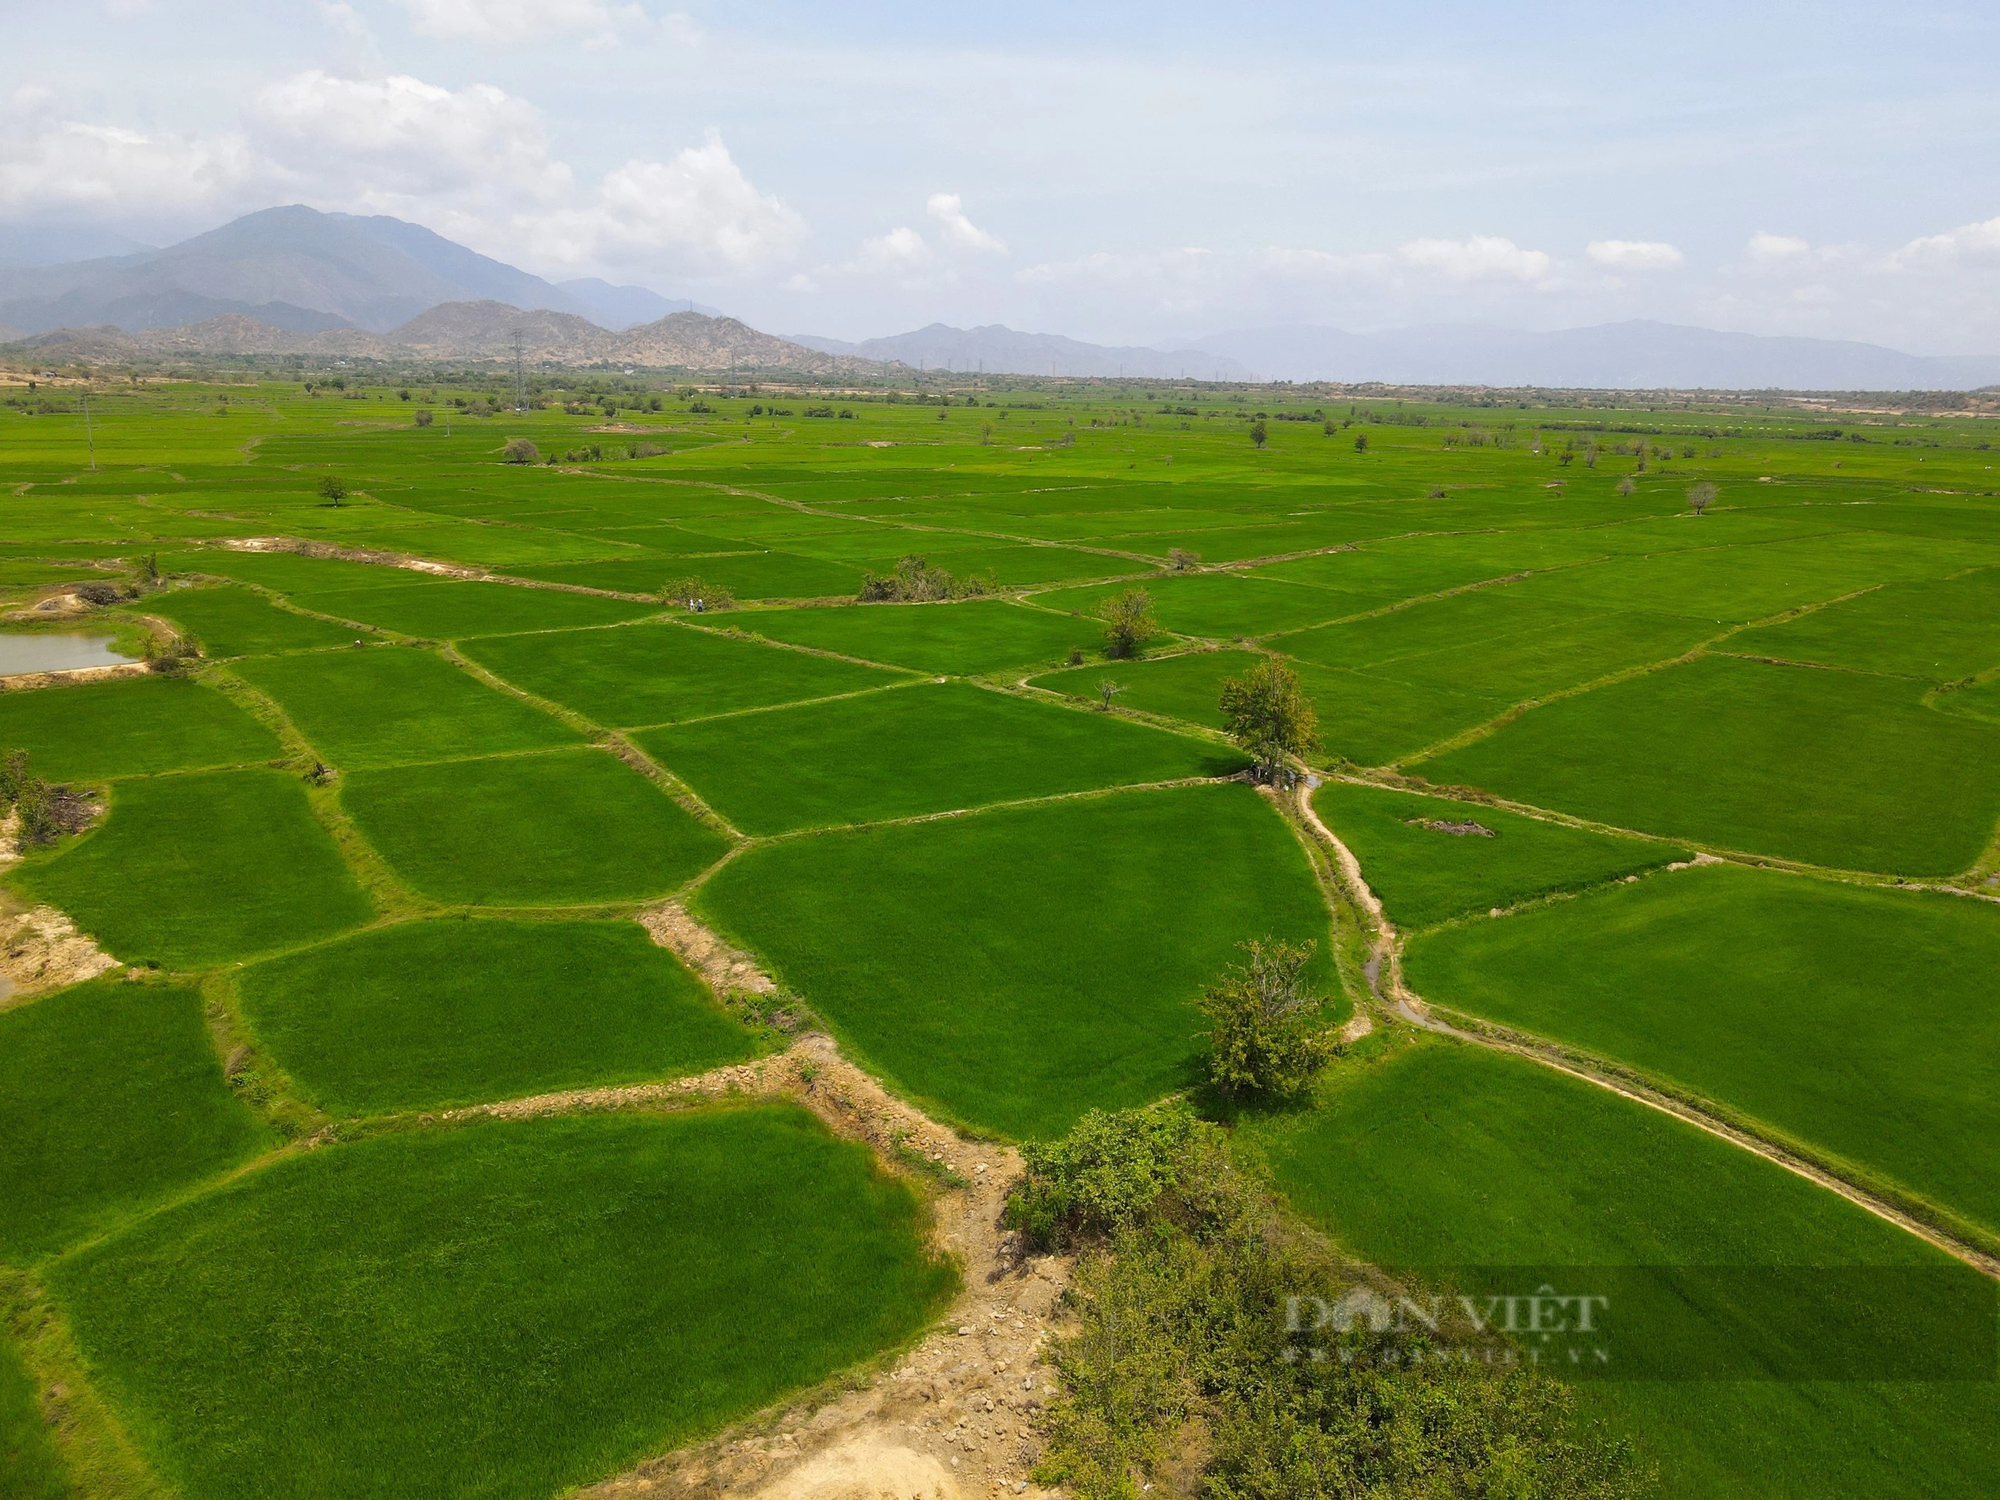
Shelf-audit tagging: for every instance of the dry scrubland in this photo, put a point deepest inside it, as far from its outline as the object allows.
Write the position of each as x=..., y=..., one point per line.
x=1705, y=801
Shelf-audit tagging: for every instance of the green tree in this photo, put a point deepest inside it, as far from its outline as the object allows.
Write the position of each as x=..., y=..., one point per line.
x=1262, y=1035
x=519, y=451
x=1268, y=714
x=1361, y=442
x=1259, y=434
x=332, y=490
x=1702, y=496
x=1128, y=622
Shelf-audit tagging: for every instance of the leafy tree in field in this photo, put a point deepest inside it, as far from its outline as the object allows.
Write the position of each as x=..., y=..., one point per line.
x=519, y=451
x=1268, y=714
x=332, y=490
x=1628, y=486
x=1128, y=622
x=1701, y=496
x=1361, y=442
x=1259, y=434
x=1262, y=1038
x=424, y=418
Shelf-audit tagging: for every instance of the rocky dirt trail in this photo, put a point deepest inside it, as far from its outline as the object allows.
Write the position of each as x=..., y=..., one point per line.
x=952, y=1418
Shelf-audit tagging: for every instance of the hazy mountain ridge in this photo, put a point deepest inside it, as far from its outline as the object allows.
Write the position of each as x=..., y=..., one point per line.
x=1000, y=350
x=1635, y=355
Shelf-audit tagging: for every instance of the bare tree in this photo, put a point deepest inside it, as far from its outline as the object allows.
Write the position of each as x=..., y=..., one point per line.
x=1628, y=485
x=1180, y=559
x=1702, y=496
x=1106, y=691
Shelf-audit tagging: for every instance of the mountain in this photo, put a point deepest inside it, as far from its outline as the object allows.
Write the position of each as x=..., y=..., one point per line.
x=294, y=268
x=25, y=245
x=483, y=331
x=622, y=307
x=1611, y=356
x=1005, y=352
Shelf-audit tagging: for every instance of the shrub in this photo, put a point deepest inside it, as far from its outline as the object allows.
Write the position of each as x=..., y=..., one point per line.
x=916, y=581
x=1263, y=1038
x=424, y=418
x=1128, y=622
x=46, y=812
x=1361, y=442
x=519, y=451
x=174, y=657
x=100, y=594
x=1111, y=1169
x=1180, y=559
x=692, y=593
x=1628, y=485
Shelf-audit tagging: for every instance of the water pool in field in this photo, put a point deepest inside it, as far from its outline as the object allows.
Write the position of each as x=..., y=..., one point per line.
x=56, y=653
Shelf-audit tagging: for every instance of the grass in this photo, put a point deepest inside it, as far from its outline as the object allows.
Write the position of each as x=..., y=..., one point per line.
x=1835, y=768
x=111, y=1098
x=428, y=1015
x=1434, y=1155
x=1425, y=875
x=564, y=828
x=29, y=1466
x=959, y=640
x=922, y=749
x=290, y=572
x=1181, y=687
x=1935, y=631
x=1222, y=605
x=134, y=727
x=191, y=871
x=665, y=674
x=453, y=611
x=1018, y=967
x=394, y=705
x=1853, y=1018
x=747, y=574
x=236, y=622
x=1980, y=702
x=497, y=1310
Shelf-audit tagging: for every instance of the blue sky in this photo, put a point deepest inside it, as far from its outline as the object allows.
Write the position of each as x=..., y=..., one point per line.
x=1117, y=172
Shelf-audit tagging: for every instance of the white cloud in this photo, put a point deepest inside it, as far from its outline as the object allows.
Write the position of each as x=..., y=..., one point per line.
x=1635, y=255
x=698, y=211
x=508, y=23
x=1767, y=246
x=1969, y=242
x=1480, y=258
x=105, y=170
x=959, y=231
x=399, y=143
x=902, y=248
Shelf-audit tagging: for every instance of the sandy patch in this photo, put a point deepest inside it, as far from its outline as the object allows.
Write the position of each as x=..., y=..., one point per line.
x=41, y=950
x=725, y=968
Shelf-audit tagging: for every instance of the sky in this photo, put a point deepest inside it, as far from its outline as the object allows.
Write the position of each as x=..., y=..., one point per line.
x=1117, y=172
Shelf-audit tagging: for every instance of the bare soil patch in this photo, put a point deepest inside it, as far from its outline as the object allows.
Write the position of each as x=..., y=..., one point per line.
x=41, y=950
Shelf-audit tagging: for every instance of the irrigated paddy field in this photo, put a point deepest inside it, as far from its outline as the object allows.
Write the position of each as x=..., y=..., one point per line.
x=390, y=1124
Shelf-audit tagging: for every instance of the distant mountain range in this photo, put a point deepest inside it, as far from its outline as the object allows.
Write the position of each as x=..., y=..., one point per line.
x=296, y=269
x=1000, y=350
x=293, y=280
x=470, y=331
x=1610, y=356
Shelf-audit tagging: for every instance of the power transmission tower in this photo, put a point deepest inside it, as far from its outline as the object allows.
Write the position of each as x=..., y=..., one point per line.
x=89, y=436
x=520, y=384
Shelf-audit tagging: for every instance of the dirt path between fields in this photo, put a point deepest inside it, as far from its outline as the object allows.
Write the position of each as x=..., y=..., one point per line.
x=950, y=1419
x=1386, y=979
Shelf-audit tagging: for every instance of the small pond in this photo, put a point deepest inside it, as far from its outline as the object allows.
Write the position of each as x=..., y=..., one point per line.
x=56, y=653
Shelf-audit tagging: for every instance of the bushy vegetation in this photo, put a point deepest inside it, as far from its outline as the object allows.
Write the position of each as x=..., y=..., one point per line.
x=1177, y=1370
x=1268, y=714
x=916, y=581
x=1265, y=1036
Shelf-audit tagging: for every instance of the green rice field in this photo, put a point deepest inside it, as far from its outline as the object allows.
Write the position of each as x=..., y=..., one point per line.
x=425, y=1136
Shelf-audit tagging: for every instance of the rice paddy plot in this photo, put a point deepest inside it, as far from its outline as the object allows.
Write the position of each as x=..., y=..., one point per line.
x=191, y=871
x=453, y=611
x=922, y=749
x=1936, y=631
x=291, y=572
x=1429, y=859
x=1856, y=1019
x=1979, y=702
x=30, y=1468
x=1010, y=566
x=666, y=673
x=432, y=1015
x=959, y=640
x=1222, y=605
x=1834, y=768
x=508, y=1310
x=1430, y=1155
x=111, y=1097
x=1187, y=686
x=1020, y=966
x=393, y=705
x=236, y=622
x=568, y=827
x=133, y=727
